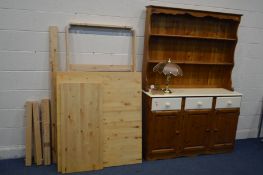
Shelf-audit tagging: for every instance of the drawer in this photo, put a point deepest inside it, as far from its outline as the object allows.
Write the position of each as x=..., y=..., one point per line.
x=198, y=103
x=228, y=102
x=160, y=104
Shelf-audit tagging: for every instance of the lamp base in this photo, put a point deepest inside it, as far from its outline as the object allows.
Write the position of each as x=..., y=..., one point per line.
x=166, y=91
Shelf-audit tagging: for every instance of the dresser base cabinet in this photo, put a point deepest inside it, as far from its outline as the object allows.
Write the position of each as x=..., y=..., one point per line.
x=187, y=131
x=161, y=132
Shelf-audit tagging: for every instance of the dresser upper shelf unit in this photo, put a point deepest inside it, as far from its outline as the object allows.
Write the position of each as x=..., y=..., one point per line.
x=202, y=43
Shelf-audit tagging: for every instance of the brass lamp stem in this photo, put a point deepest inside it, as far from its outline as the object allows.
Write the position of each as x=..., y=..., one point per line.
x=167, y=90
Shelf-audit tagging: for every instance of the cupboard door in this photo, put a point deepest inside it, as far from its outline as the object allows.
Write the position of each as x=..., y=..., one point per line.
x=163, y=134
x=224, y=130
x=196, y=131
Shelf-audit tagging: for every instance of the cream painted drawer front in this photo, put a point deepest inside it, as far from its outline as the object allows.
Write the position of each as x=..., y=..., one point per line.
x=228, y=102
x=198, y=103
x=160, y=104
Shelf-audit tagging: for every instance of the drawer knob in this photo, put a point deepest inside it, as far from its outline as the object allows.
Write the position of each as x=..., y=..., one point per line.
x=229, y=102
x=199, y=103
x=167, y=104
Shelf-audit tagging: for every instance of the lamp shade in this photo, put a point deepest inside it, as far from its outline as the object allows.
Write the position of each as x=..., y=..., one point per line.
x=168, y=68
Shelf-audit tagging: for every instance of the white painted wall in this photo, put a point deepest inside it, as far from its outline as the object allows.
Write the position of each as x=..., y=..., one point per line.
x=24, y=68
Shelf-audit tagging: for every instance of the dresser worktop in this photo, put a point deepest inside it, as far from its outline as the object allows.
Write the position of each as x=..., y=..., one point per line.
x=194, y=92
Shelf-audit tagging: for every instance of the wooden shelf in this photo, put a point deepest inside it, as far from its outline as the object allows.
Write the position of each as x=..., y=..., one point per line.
x=193, y=62
x=193, y=37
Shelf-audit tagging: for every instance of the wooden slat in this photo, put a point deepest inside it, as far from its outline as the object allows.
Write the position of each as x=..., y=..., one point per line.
x=45, y=114
x=133, y=62
x=100, y=68
x=59, y=107
x=53, y=59
x=80, y=127
x=53, y=48
x=37, y=134
x=67, y=46
x=29, y=111
x=99, y=25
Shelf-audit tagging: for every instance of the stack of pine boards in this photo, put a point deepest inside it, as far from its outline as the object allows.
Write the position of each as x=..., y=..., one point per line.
x=38, y=133
x=96, y=116
x=98, y=120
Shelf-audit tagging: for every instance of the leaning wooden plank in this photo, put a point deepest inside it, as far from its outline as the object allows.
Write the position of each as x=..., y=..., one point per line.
x=80, y=127
x=37, y=134
x=53, y=48
x=29, y=110
x=100, y=68
x=45, y=114
x=121, y=113
x=53, y=59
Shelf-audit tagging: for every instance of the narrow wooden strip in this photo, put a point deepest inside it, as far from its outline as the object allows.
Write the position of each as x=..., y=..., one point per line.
x=37, y=134
x=53, y=48
x=29, y=110
x=133, y=62
x=45, y=114
x=62, y=128
x=53, y=59
x=100, y=68
x=59, y=105
x=100, y=127
x=99, y=25
x=67, y=42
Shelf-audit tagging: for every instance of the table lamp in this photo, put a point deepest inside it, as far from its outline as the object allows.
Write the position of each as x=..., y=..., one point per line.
x=168, y=69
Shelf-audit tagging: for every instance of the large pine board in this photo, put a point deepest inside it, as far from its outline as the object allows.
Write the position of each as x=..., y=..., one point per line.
x=121, y=114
